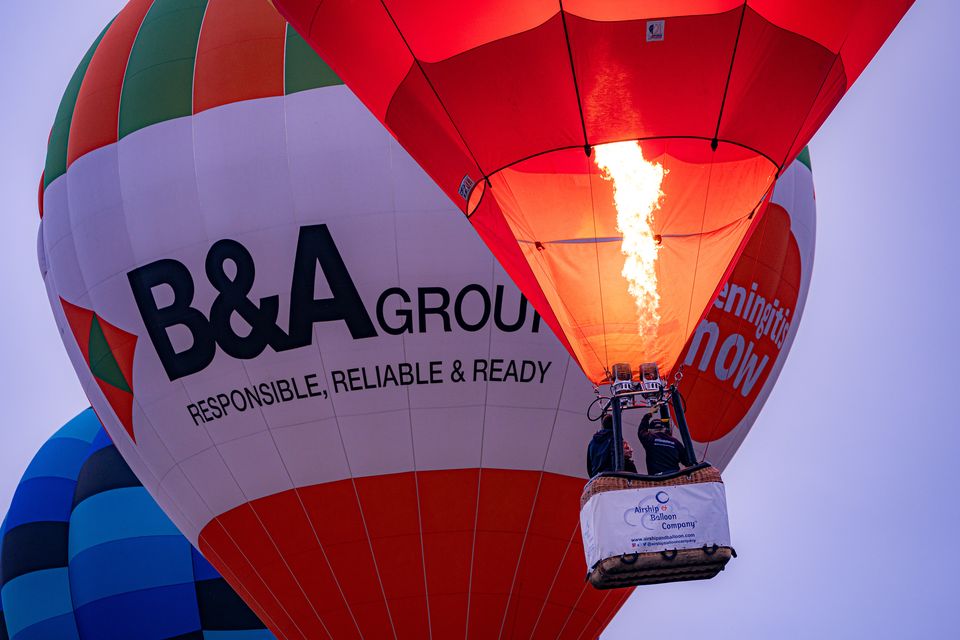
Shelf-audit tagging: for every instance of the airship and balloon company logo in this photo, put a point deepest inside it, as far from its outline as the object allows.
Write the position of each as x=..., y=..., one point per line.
x=655, y=30
x=652, y=519
x=658, y=512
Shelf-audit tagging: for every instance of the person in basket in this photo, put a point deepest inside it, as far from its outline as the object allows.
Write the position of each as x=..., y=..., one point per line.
x=663, y=451
x=600, y=450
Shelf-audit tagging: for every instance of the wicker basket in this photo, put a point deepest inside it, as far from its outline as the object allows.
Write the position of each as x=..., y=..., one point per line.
x=662, y=566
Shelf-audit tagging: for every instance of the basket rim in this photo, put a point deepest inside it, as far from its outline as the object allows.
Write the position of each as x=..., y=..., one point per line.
x=700, y=466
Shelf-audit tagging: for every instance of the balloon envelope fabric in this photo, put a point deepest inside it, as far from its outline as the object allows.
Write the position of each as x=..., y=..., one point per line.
x=87, y=554
x=503, y=104
x=395, y=446
x=3, y=621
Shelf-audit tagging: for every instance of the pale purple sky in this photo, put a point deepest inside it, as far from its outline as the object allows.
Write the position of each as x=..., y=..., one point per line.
x=843, y=498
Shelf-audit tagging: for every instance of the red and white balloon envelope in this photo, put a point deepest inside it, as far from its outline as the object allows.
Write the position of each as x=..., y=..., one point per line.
x=321, y=373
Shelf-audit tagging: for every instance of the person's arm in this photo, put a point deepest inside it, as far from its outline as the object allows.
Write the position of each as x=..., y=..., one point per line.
x=644, y=426
x=645, y=438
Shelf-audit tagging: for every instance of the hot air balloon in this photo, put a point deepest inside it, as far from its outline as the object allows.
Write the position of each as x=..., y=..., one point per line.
x=3, y=620
x=87, y=554
x=336, y=480
x=678, y=529
x=613, y=155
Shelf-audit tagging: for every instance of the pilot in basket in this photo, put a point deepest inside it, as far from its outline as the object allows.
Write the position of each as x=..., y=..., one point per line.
x=666, y=526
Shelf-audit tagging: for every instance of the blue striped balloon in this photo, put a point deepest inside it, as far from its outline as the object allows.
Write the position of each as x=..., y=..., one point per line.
x=3, y=621
x=86, y=554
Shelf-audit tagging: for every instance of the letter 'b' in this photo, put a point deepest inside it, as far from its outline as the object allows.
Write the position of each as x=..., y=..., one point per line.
x=157, y=320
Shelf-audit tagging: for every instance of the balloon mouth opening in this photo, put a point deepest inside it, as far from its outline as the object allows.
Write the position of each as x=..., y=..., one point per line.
x=682, y=225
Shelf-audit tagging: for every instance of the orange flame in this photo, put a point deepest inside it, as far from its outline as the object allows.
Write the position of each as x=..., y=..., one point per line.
x=636, y=195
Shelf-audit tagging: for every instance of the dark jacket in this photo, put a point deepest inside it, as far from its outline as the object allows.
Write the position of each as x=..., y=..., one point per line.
x=600, y=453
x=664, y=452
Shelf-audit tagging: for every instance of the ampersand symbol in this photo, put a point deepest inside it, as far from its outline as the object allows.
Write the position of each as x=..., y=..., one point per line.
x=457, y=375
x=234, y=298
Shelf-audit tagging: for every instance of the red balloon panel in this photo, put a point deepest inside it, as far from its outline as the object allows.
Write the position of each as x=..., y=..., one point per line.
x=490, y=553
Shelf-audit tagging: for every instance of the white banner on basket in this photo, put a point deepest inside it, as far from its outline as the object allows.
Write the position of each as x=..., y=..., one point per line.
x=654, y=519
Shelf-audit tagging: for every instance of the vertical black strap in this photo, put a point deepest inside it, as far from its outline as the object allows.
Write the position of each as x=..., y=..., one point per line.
x=573, y=73
x=715, y=142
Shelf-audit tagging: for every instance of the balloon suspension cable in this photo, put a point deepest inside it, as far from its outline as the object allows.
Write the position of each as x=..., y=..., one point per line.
x=681, y=420
x=616, y=412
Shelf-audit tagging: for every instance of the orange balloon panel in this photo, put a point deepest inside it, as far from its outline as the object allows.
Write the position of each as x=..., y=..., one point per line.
x=561, y=212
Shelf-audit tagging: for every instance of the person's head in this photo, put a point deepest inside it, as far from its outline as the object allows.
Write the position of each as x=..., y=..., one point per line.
x=644, y=423
x=653, y=422
x=607, y=421
x=660, y=423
